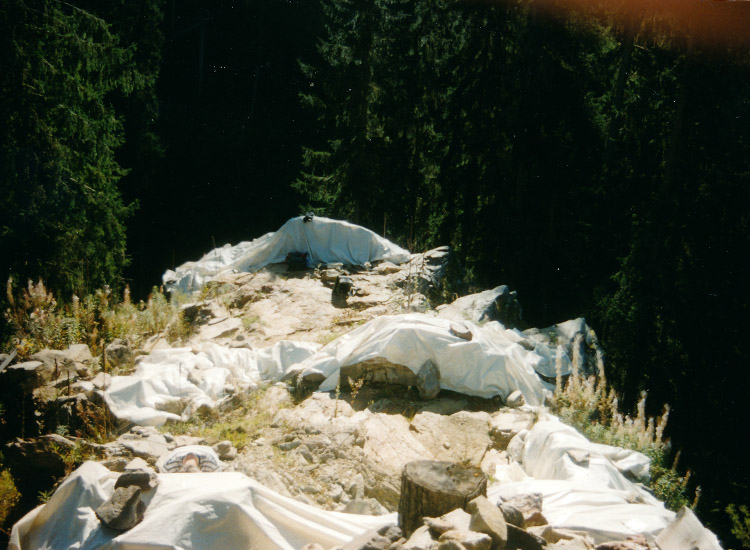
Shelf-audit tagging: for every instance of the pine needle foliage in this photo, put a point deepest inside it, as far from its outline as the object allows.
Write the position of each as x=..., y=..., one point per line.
x=62, y=215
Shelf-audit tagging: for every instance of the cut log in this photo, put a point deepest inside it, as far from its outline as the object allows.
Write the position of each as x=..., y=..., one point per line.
x=432, y=488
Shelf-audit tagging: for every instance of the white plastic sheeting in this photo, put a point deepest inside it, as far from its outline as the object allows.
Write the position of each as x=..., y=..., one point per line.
x=492, y=363
x=554, y=450
x=185, y=511
x=324, y=240
x=583, y=486
x=605, y=514
x=172, y=383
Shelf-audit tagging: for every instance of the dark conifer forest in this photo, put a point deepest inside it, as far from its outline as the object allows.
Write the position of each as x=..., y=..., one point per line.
x=595, y=159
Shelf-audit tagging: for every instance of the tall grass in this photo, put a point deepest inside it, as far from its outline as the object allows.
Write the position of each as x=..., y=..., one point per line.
x=590, y=406
x=36, y=319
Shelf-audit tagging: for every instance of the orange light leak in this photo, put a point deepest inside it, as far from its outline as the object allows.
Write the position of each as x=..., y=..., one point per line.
x=708, y=23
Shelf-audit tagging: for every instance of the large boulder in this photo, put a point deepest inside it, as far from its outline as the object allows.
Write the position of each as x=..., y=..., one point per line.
x=26, y=376
x=461, y=437
x=576, y=339
x=36, y=464
x=499, y=304
x=119, y=353
x=425, y=273
x=72, y=362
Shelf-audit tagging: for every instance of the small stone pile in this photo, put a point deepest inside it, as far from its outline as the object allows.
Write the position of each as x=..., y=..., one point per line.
x=485, y=526
x=124, y=509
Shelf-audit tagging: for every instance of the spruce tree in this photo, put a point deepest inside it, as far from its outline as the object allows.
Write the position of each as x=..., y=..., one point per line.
x=62, y=216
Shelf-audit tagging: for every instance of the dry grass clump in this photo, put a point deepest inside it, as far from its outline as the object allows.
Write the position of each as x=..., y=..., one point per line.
x=249, y=419
x=37, y=320
x=590, y=406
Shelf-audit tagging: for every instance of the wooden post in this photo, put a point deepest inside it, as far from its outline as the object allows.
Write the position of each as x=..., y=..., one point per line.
x=431, y=488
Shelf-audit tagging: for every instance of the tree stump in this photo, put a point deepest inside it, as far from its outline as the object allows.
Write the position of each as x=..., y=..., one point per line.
x=432, y=488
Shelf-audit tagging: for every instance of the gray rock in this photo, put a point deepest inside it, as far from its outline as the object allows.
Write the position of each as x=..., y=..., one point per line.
x=391, y=532
x=630, y=544
x=119, y=353
x=463, y=436
x=225, y=450
x=145, y=442
x=343, y=288
x=511, y=514
x=242, y=296
x=147, y=450
x=329, y=275
x=36, y=464
x=515, y=400
x=458, y=518
x=145, y=480
x=553, y=535
x=184, y=440
x=124, y=509
x=461, y=331
x=506, y=424
x=73, y=361
x=336, y=492
x=28, y=375
x=116, y=464
x=499, y=304
x=312, y=546
x=365, y=506
x=471, y=540
x=439, y=525
x=517, y=445
x=487, y=518
x=102, y=381
x=575, y=544
x=445, y=406
x=428, y=380
x=386, y=268
x=376, y=542
x=421, y=539
x=289, y=445
x=523, y=540
x=530, y=505
x=138, y=465
x=425, y=273
x=450, y=545
x=573, y=335
x=304, y=451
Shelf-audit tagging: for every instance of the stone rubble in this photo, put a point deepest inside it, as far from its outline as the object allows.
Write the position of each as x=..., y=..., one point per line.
x=340, y=452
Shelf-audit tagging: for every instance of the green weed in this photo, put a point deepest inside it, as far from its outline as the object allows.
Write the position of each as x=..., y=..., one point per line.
x=591, y=407
x=37, y=320
x=740, y=517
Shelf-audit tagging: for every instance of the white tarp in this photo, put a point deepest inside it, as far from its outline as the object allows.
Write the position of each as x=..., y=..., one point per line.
x=172, y=383
x=553, y=450
x=605, y=514
x=185, y=511
x=583, y=486
x=323, y=239
x=492, y=363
